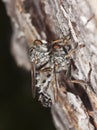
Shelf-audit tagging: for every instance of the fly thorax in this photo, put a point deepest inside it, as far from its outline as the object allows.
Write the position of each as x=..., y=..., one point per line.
x=39, y=55
x=59, y=60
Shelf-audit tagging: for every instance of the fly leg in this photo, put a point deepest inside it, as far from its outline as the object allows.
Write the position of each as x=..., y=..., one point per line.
x=71, y=52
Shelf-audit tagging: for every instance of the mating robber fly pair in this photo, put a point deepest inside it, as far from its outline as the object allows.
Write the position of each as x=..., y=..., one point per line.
x=48, y=61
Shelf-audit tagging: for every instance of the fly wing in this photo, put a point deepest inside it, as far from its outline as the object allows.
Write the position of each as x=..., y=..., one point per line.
x=33, y=80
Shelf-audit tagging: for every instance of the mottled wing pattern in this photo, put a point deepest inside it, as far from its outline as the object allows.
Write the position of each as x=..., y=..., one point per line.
x=41, y=73
x=47, y=63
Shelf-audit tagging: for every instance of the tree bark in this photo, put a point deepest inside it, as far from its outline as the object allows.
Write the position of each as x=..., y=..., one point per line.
x=49, y=20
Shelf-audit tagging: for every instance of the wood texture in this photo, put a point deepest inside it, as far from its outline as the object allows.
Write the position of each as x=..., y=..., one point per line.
x=50, y=20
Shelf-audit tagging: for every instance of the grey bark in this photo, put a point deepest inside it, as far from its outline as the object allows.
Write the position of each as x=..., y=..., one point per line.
x=50, y=20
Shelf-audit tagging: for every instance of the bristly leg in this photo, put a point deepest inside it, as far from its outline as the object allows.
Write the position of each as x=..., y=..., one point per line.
x=79, y=89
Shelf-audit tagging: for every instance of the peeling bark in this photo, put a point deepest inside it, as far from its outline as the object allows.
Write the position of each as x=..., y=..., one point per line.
x=76, y=108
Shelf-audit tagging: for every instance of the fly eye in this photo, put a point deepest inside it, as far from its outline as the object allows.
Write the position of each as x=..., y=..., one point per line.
x=57, y=47
x=37, y=42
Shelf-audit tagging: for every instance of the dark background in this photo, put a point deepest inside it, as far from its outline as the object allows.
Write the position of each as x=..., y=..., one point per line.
x=18, y=111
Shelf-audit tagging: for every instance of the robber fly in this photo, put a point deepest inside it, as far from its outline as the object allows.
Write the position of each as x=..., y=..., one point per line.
x=48, y=60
